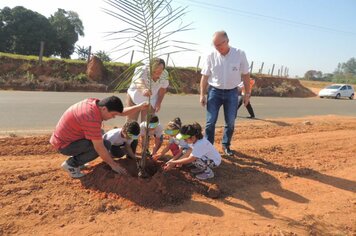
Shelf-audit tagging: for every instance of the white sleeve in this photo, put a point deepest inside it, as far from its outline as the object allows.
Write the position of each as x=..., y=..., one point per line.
x=198, y=150
x=139, y=77
x=163, y=79
x=143, y=128
x=206, y=69
x=159, y=131
x=244, y=67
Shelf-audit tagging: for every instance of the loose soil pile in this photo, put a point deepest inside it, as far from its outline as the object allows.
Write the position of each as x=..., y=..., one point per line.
x=287, y=177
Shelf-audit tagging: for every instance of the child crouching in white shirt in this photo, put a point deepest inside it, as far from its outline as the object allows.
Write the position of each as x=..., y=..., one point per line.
x=124, y=140
x=204, y=156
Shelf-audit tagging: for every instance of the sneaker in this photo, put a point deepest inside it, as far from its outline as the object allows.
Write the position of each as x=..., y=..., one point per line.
x=227, y=151
x=207, y=174
x=85, y=166
x=74, y=172
x=197, y=170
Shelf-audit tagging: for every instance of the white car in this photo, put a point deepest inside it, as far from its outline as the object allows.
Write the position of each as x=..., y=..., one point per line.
x=337, y=91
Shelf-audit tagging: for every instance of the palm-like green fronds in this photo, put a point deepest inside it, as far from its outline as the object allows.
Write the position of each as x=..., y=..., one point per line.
x=148, y=31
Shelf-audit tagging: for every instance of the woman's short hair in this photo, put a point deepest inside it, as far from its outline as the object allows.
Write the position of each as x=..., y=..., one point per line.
x=158, y=61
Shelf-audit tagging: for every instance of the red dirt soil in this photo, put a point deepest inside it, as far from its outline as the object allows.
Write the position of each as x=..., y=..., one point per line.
x=287, y=177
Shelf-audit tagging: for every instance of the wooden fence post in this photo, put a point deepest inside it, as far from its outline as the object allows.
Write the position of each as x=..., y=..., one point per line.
x=261, y=68
x=167, y=60
x=251, y=67
x=89, y=54
x=272, y=70
x=281, y=71
x=40, y=58
x=196, y=70
x=132, y=55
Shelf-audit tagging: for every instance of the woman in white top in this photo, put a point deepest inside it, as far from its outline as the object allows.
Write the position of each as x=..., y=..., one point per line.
x=142, y=87
x=204, y=156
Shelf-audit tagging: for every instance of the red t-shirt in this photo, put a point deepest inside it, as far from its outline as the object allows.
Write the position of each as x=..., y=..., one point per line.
x=80, y=121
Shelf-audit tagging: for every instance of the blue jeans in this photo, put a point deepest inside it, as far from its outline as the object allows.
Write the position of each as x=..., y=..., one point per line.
x=229, y=99
x=81, y=151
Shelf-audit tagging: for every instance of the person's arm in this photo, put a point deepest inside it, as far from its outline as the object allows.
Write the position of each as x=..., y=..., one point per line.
x=163, y=152
x=160, y=96
x=105, y=155
x=179, y=153
x=133, y=109
x=129, y=150
x=158, y=144
x=246, y=81
x=170, y=164
x=203, y=89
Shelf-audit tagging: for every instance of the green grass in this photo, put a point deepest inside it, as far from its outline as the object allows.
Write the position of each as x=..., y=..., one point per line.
x=315, y=84
x=35, y=58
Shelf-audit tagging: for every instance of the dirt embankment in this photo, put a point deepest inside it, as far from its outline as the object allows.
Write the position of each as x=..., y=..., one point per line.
x=286, y=177
x=59, y=75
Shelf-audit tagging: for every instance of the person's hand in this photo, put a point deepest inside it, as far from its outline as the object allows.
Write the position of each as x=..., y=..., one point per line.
x=203, y=100
x=157, y=108
x=119, y=169
x=246, y=99
x=144, y=105
x=169, y=165
x=146, y=92
x=156, y=156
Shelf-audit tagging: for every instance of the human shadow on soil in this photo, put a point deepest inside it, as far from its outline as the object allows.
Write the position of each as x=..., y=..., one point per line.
x=244, y=187
x=277, y=122
x=244, y=159
x=196, y=207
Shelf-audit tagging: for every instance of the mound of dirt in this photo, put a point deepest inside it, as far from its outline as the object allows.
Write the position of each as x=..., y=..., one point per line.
x=162, y=189
x=58, y=75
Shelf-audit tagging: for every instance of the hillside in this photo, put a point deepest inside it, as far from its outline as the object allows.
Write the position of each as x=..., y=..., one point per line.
x=24, y=73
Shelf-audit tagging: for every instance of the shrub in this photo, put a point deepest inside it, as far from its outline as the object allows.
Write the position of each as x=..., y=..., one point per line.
x=81, y=78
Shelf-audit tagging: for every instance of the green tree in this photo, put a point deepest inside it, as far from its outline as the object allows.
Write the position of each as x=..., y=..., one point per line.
x=103, y=56
x=313, y=75
x=68, y=28
x=22, y=30
x=349, y=67
x=82, y=52
x=149, y=30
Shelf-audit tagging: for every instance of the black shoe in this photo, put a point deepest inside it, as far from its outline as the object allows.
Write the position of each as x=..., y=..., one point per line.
x=228, y=152
x=251, y=117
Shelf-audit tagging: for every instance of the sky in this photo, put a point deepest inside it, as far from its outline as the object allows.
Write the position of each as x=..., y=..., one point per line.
x=300, y=35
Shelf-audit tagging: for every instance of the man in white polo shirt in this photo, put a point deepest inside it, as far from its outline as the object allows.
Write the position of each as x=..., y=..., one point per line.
x=221, y=74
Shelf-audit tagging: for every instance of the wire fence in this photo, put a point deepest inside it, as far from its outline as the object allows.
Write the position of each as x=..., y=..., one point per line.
x=256, y=67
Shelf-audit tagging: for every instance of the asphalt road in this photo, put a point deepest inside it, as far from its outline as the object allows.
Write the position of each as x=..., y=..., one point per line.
x=38, y=112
